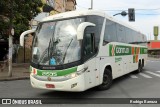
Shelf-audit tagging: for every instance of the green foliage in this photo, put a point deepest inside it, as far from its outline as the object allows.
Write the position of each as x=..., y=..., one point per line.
x=23, y=12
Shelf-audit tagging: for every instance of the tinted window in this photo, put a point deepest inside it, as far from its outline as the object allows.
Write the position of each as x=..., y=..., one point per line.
x=129, y=37
x=89, y=44
x=121, y=34
x=110, y=32
x=98, y=21
x=115, y=32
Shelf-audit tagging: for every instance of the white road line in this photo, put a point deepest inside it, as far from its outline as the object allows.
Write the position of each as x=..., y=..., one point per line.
x=133, y=76
x=158, y=75
x=153, y=60
x=158, y=71
x=144, y=75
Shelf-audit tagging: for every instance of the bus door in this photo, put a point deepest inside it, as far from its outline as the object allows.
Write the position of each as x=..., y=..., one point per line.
x=89, y=58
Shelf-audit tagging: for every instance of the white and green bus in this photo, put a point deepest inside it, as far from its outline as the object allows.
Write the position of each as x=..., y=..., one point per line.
x=78, y=50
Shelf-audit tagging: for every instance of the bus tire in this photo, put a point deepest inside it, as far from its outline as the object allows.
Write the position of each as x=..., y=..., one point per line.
x=107, y=80
x=140, y=66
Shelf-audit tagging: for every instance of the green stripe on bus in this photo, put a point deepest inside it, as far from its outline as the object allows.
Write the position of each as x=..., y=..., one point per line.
x=56, y=72
x=143, y=51
x=120, y=50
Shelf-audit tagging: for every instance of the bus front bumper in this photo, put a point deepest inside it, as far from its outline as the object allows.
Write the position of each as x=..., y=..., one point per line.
x=74, y=84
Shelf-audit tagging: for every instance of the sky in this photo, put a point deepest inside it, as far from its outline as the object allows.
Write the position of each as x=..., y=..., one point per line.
x=147, y=12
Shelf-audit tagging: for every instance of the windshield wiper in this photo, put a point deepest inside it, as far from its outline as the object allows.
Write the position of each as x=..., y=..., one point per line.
x=66, y=50
x=50, y=48
x=49, y=54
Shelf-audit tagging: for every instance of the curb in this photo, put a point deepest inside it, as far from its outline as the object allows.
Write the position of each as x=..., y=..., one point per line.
x=14, y=78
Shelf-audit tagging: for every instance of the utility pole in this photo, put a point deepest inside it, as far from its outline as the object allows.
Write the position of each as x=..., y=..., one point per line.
x=91, y=4
x=11, y=32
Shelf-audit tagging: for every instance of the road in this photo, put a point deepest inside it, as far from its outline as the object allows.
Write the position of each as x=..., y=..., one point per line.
x=143, y=85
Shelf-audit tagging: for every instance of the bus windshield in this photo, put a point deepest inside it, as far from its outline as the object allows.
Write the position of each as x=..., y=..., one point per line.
x=56, y=43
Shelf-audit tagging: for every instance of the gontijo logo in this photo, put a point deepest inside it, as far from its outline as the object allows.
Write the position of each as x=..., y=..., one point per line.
x=122, y=50
x=117, y=50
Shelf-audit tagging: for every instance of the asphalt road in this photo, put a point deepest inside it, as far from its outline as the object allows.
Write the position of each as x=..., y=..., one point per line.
x=143, y=85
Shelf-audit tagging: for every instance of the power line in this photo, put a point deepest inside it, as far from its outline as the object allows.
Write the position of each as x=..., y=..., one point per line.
x=135, y=9
x=123, y=9
x=127, y=10
x=149, y=9
x=147, y=14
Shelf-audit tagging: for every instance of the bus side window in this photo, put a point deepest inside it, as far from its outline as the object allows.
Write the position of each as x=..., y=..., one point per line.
x=89, y=44
x=110, y=34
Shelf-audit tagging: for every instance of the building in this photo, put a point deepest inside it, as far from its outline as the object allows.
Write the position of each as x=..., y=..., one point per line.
x=70, y=5
x=154, y=47
x=60, y=6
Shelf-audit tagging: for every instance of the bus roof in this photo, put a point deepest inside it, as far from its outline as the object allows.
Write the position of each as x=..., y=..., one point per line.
x=76, y=13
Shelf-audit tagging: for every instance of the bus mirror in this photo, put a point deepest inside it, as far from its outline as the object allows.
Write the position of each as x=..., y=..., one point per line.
x=24, y=34
x=81, y=28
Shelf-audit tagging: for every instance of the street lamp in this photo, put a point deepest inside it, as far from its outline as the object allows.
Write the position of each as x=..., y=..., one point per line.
x=131, y=14
x=123, y=13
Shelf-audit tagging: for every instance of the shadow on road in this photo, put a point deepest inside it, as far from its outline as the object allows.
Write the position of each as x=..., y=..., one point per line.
x=61, y=94
x=91, y=93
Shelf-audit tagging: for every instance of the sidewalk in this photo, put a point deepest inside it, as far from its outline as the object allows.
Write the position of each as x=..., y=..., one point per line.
x=19, y=71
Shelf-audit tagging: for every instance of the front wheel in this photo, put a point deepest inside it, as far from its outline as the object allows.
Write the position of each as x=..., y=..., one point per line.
x=140, y=66
x=107, y=80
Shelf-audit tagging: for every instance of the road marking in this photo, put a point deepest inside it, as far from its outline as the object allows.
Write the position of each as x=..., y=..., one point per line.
x=144, y=75
x=153, y=60
x=133, y=76
x=153, y=73
x=158, y=71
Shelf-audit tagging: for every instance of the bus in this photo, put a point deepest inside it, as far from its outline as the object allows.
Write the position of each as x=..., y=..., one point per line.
x=78, y=50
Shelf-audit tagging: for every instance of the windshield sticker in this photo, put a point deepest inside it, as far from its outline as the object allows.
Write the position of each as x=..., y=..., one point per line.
x=52, y=61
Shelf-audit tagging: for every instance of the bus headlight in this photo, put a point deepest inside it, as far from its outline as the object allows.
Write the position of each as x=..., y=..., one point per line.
x=73, y=75
x=82, y=71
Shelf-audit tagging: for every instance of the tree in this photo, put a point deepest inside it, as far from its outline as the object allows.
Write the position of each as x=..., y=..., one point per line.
x=23, y=12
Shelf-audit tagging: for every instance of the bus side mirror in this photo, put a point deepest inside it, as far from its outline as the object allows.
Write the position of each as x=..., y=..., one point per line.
x=24, y=34
x=81, y=28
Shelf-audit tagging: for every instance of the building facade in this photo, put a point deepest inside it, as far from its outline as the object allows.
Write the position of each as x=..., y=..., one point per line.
x=60, y=6
x=154, y=48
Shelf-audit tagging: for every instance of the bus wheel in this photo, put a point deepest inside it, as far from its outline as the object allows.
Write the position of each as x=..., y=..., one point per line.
x=140, y=66
x=107, y=80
